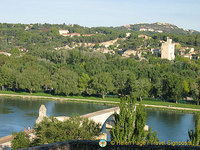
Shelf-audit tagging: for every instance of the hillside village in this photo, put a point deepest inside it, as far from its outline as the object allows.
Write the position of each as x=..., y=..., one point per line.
x=134, y=40
x=112, y=47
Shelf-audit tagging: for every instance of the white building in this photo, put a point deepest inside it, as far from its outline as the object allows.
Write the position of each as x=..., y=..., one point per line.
x=128, y=34
x=4, y=53
x=167, y=50
x=63, y=32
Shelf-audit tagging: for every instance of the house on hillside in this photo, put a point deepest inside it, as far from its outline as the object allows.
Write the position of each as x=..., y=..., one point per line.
x=73, y=34
x=188, y=52
x=128, y=34
x=63, y=32
x=87, y=34
x=5, y=53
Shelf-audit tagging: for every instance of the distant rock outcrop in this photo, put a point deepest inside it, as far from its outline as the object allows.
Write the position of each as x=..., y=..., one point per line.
x=159, y=28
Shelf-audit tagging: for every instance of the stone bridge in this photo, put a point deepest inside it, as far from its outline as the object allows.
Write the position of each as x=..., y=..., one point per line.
x=102, y=115
x=98, y=116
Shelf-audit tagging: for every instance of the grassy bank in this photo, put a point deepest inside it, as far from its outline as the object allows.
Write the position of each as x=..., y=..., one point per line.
x=107, y=101
x=58, y=96
x=168, y=104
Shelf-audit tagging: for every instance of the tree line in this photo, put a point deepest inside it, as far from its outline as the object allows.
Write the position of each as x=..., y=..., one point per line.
x=79, y=72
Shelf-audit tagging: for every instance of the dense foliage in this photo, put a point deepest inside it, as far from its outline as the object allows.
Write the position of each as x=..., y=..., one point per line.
x=38, y=67
x=20, y=140
x=50, y=130
x=130, y=123
x=88, y=73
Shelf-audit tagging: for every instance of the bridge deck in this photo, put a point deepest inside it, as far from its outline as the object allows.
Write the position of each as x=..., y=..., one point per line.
x=100, y=112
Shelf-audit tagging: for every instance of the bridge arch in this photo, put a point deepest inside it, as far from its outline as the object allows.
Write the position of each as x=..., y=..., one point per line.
x=102, y=115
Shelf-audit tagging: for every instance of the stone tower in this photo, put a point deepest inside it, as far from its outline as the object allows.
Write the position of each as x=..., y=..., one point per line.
x=168, y=50
x=42, y=113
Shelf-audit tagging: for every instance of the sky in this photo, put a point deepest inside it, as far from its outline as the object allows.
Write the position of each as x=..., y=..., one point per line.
x=183, y=13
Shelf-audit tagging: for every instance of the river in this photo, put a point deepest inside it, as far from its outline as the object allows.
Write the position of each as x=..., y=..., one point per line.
x=15, y=113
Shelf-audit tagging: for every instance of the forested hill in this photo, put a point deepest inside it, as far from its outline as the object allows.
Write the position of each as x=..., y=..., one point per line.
x=42, y=60
x=34, y=37
x=159, y=28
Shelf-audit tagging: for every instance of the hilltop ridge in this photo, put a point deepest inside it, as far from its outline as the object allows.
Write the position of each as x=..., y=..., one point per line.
x=159, y=27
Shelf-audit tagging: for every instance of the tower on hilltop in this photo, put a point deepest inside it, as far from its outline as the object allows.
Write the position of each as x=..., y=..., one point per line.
x=168, y=50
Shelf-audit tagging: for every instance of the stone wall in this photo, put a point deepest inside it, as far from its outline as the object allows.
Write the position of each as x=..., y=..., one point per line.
x=94, y=145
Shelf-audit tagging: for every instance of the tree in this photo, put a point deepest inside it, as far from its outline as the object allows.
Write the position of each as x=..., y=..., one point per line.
x=172, y=87
x=140, y=88
x=102, y=83
x=84, y=81
x=15, y=51
x=124, y=121
x=140, y=122
x=121, y=82
x=152, y=136
x=20, y=140
x=52, y=130
x=7, y=78
x=65, y=82
x=30, y=79
x=194, y=135
x=130, y=122
x=195, y=90
x=156, y=89
x=186, y=89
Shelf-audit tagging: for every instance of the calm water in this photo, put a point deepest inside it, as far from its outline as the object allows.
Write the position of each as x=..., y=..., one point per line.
x=17, y=113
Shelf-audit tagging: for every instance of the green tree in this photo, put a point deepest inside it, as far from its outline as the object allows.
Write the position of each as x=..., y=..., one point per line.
x=30, y=79
x=140, y=88
x=130, y=123
x=124, y=121
x=102, y=83
x=186, y=89
x=7, y=78
x=194, y=135
x=20, y=140
x=140, y=122
x=173, y=87
x=84, y=81
x=65, y=82
x=195, y=90
x=55, y=31
x=15, y=51
x=121, y=82
x=52, y=130
x=152, y=136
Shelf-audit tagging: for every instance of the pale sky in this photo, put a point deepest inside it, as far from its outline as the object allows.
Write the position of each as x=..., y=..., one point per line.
x=183, y=13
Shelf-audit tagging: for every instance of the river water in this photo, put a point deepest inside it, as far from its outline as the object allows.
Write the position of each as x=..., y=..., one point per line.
x=16, y=113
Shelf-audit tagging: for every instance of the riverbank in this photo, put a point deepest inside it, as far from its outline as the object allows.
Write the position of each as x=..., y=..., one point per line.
x=107, y=101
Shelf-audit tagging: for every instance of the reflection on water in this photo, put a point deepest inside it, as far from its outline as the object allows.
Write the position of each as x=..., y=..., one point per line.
x=17, y=113
x=170, y=125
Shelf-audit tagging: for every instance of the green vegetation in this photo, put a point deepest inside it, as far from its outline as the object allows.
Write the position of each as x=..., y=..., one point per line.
x=164, y=27
x=20, y=140
x=195, y=134
x=36, y=67
x=130, y=123
x=50, y=130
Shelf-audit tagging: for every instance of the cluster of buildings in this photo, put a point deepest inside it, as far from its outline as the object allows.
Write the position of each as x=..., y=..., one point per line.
x=168, y=51
x=150, y=30
x=66, y=33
